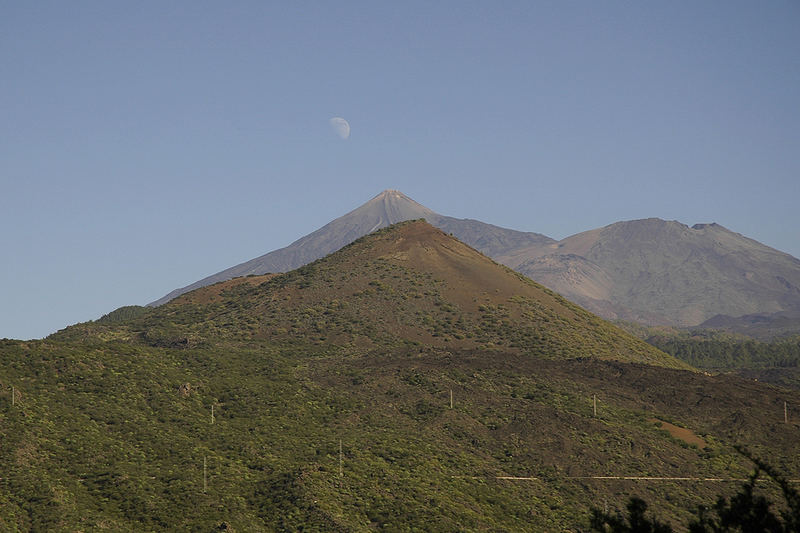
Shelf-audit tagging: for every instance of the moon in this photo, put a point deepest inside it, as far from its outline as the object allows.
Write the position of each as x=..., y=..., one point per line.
x=340, y=127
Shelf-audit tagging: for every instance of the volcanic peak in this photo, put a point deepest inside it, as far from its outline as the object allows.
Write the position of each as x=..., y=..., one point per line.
x=410, y=283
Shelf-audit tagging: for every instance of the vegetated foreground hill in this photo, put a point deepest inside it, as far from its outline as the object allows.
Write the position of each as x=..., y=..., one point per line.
x=117, y=436
x=658, y=272
x=411, y=284
x=385, y=209
x=395, y=385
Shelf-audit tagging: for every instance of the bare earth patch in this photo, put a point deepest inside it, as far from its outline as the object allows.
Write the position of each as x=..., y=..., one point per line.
x=686, y=435
x=213, y=293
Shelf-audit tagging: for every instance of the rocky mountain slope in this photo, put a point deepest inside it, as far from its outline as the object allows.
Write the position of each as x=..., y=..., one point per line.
x=663, y=272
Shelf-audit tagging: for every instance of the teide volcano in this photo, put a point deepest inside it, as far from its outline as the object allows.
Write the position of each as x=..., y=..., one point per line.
x=388, y=207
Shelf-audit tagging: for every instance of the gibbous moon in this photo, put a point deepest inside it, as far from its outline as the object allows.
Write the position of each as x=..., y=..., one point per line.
x=340, y=127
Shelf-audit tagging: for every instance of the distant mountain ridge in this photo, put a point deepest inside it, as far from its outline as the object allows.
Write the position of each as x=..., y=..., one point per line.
x=387, y=208
x=762, y=326
x=651, y=271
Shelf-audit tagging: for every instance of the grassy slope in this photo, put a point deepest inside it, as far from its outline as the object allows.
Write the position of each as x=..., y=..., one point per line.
x=409, y=284
x=363, y=347
x=102, y=436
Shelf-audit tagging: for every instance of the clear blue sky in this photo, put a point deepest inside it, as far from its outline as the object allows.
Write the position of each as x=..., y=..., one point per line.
x=145, y=145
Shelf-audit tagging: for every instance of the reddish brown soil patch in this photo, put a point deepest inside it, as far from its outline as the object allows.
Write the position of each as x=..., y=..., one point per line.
x=686, y=435
x=213, y=293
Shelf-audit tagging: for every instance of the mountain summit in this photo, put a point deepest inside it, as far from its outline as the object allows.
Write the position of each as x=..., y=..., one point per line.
x=387, y=208
x=390, y=207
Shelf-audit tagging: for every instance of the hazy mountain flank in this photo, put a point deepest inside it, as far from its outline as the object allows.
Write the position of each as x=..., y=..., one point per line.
x=659, y=272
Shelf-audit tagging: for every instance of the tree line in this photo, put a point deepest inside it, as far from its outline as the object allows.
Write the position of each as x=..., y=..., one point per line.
x=713, y=350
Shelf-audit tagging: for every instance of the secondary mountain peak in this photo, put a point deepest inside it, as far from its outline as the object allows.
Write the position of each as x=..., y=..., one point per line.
x=664, y=272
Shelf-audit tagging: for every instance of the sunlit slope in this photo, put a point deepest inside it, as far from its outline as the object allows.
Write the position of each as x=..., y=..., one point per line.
x=408, y=284
x=246, y=436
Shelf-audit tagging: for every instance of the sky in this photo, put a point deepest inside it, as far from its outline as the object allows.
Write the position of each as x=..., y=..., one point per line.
x=146, y=145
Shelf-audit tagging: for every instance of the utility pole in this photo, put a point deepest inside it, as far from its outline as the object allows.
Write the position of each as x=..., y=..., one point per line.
x=594, y=403
x=212, y=413
x=785, y=413
x=341, y=459
x=13, y=395
x=205, y=468
x=451, y=398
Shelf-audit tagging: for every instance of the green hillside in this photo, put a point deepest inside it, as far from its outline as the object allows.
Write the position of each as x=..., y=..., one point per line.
x=410, y=284
x=331, y=390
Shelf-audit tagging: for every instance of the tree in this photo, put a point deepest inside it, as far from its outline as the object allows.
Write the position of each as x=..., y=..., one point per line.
x=745, y=512
x=636, y=522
